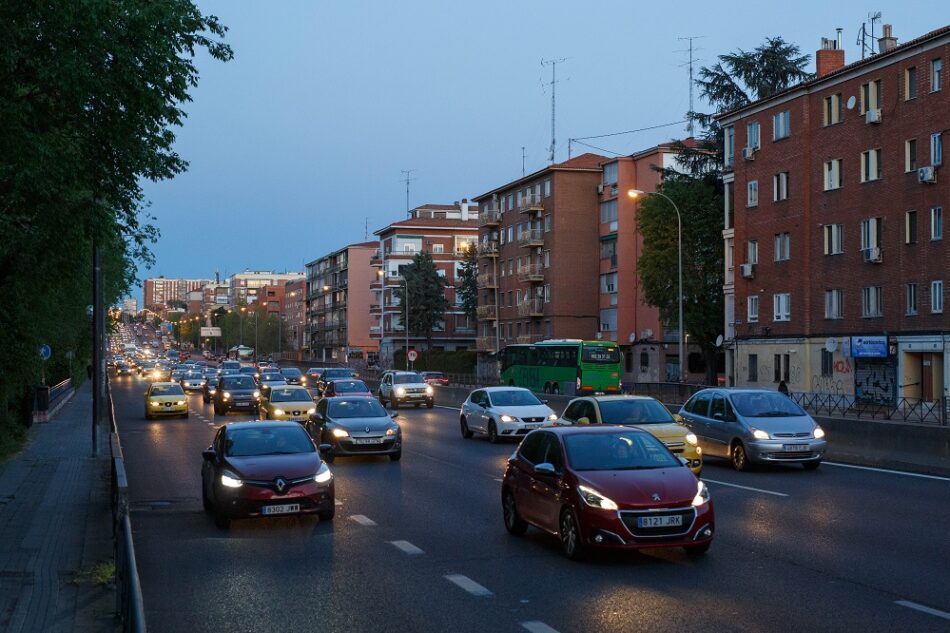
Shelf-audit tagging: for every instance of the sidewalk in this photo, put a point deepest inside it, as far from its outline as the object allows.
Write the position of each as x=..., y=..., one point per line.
x=55, y=527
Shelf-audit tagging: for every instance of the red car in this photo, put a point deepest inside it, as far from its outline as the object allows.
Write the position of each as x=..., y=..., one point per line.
x=262, y=469
x=605, y=487
x=435, y=378
x=346, y=387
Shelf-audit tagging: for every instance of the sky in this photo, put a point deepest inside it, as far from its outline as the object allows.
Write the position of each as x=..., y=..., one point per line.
x=298, y=144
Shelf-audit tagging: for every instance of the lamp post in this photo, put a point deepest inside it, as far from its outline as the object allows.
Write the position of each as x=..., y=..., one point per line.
x=636, y=193
x=405, y=280
x=243, y=310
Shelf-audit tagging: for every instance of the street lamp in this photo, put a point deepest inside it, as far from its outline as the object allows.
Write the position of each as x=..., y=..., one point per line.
x=243, y=310
x=635, y=193
x=405, y=280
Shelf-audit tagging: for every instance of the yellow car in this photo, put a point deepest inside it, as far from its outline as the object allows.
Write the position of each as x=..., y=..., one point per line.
x=165, y=398
x=288, y=402
x=642, y=412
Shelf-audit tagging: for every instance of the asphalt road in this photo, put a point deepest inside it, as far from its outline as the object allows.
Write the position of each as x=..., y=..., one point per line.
x=419, y=545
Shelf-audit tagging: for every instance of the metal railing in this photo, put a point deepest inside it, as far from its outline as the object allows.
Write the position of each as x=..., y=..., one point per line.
x=904, y=409
x=59, y=390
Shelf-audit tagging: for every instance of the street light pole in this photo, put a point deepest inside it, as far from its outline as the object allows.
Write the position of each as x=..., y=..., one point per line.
x=634, y=193
x=406, y=282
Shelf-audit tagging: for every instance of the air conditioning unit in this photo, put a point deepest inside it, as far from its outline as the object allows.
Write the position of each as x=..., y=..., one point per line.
x=873, y=116
x=873, y=255
x=927, y=174
x=748, y=153
x=747, y=270
x=600, y=188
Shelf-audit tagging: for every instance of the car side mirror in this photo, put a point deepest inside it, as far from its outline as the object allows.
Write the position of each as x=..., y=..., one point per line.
x=678, y=418
x=544, y=402
x=545, y=469
x=208, y=454
x=394, y=416
x=317, y=417
x=325, y=448
x=584, y=420
x=684, y=461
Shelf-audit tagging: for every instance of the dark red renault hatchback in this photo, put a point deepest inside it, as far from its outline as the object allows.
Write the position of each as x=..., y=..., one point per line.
x=610, y=487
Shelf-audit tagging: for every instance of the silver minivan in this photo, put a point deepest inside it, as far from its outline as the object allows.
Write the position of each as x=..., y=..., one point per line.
x=749, y=426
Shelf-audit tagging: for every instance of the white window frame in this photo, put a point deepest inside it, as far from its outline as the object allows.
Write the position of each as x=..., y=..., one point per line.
x=833, y=174
x=782, y=306
x=936, y=224
x=753, y=135
x=831, y=114
x=781, y=125
x=783, y=247
x=910, y=237
x=752, y=308
x=936, y=149
x=871, y=165
x=752, y=252
x=910, y=155
x=936, y=66
x=911, y=72
x=547, y=188
x=438, y=249
x=872, y=302
x=871, y=233
x=834, y=303
x=911, y=298
x=833, y=239
x=780, y=186
x=729, y=146
x=936, y=296
x=752, y=194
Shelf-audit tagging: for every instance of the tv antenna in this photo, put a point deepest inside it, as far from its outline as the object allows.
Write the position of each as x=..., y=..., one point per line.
x=866, y=40
x=522, y=161
x=690, y=64
x=407, y=173
x=553, y=83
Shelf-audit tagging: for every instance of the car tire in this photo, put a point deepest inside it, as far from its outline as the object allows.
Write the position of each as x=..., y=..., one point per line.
x=513, y=522
x=205, y=501
x=739, y=457
x=555, y=389
x=418, y=404
x=395, y=457
x=569, y=535
x=185, y=416
x=393, y=403
x=430, y=404
x=327, y=515
x=466, y=432
x=695, y=551
x=811, y=465
x=492, y=432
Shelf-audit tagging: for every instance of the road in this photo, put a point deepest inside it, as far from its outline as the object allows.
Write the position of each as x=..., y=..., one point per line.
x=419, y=545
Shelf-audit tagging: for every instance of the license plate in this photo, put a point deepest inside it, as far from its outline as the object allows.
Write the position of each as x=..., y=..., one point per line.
x=795, y=448
x=673, y=520
x=286, y=508
x=368, y=440
x=531, y=426
x=242, y=404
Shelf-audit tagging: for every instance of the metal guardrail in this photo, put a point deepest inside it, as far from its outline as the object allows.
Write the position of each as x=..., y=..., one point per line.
x=59, y=390
x=130, y=606
x=904, y=409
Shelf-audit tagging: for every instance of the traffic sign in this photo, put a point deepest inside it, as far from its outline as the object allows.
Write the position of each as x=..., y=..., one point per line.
x=413, y=355
x=45, y=352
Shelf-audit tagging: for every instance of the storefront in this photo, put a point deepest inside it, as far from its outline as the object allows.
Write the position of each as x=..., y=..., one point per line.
x=875, y=369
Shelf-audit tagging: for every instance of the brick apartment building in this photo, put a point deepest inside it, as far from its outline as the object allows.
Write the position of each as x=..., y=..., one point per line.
x=444, y=231
x=836, y=259
x=294, y=314
x=245, y=287
x=338, y=319
x=157, y=292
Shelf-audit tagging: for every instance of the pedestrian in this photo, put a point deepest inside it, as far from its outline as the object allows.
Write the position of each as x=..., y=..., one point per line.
x=782, y=388
x=89, y=370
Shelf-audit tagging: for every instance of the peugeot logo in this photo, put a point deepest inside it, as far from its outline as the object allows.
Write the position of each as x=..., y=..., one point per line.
x=280, y=484
x=656, y=496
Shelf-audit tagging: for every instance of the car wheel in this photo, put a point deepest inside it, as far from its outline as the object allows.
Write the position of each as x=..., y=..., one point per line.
x=466, y=432
x=570, y=535
x=513, y=523
x=205, y=501
x=812, y=465
x=430, y=404
x=555, y=389
x=695, y=551
x=393, y=403
x=395, y=457
x=327, y=515
x=740, y=460
x=418, y=404
x=184, y=415
x=492, y=432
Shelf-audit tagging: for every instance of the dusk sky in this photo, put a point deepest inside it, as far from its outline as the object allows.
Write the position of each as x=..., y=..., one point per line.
x=299, y=142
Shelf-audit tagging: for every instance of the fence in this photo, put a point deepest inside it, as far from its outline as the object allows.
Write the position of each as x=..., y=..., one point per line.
x=58, y=391
x=904, y=409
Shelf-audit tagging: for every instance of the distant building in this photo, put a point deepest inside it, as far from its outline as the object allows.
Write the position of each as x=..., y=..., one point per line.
x=215, y=295
x=130, y=305
x=245, y=287
x=159, y=291
x=294, y=314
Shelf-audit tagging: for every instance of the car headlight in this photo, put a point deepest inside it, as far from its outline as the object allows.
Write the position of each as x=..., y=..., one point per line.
x=400, y=391
x=226, y=395
x=759, y=434
x=311, y=411
x=552, y=417
x=594, y=499
x=819, y=432
x=155, y=404
x=340, y=433
x=392, y=431
x=508, y=418
x=230, y=480
x=212, y=390
x=303, y=381
x=323, y=475
x=180, y=402
x=692, y=439
x=429, y=390
x=702, y=494
x=278, y=412
x=257, y=394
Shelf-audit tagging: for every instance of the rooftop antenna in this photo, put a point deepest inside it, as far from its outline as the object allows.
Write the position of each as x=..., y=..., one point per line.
x=690, y=64
x=522, y=161
x=408, y=173
x=866, y=40
x=553, y=64
x=365, y=228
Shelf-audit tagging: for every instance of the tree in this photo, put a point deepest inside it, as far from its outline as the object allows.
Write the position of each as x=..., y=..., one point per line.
x=427, y=302
x=468, y=283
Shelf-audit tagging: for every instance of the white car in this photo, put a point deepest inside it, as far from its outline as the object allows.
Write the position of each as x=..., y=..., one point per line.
x=401, y=387
x=503, y=412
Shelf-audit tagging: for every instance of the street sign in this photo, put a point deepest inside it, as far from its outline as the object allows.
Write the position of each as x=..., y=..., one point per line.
x=413, y=355
x=210, y=332
x=45, y=352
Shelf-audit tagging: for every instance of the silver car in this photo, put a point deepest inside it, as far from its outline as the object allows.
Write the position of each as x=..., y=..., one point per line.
x=754, y=426
x=193, y=381
x=502, y=412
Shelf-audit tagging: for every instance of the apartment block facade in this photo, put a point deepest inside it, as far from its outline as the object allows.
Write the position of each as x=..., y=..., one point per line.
x=294, y=314
x=836, y=260
x=245, y=287
x=158, y=292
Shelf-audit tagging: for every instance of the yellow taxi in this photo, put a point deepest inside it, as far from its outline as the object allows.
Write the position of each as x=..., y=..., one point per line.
x=287, y=402
x=642, y=412
x=165, y=399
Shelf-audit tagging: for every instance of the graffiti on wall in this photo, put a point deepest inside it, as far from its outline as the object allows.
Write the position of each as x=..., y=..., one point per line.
x=874, y=383
x=827, y=384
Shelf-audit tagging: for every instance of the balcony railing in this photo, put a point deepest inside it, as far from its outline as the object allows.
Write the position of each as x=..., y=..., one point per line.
x=531, y=308
x=486, y=344
x=487, y=280
x=531, y=273
x=487, y=313
x=489, y=217
x=530, y=203
x=488, y=249
x=528, y=339
x=531, y=238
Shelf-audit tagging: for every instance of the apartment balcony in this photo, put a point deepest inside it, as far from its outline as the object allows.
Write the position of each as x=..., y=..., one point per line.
x=487, y=313
x=486, y=344
x=376, y=259
x=531, y=308
x=489, y=217
x=531, y=273
x=488, y=249
x=487, y=280
x=531, y=238
x=528, y=339
x=375, y=331
x=530, y=204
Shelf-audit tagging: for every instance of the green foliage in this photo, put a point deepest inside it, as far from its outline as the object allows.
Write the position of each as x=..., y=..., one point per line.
x=468, y=283
x=439, y=360
x=251, y=326
x=427, y=302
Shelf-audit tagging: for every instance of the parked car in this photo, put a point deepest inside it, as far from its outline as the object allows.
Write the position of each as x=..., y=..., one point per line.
x=333, y=373
x=436, y=378
x=346, y=387
x=401, y=387
x=500, y=412
x=754, y=426
x=287, y=402
x=262, y=469
x=640, y=411
x=605, y=487
x=236, y=392
x=165, y=399
x=355, y=426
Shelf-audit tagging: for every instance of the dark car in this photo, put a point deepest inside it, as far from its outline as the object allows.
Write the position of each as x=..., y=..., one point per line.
x=250, y=371
x=313, y=374
x=608, y=487
x=122, y=368
x=434, y=378
x=346, y=387
x=294, y=376
x=210, y=388
x=270, y=379
x=355, y=426
x=333, y=373
x=230, y=364
x=238, y=392
x=261, y=469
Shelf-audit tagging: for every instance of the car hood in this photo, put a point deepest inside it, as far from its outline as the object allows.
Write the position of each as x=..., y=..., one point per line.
x=789, y=424
x=408, y=385
x=293, y=405
x=531, y=411
x=266, y=467
x=359, y=425
x=675, y=485
x=239, y=392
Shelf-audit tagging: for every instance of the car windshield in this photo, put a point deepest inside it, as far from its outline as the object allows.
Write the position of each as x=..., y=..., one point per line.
x=617, y=451
x=167, y=390
x=765, y=404
x=634, y=412
x=600, y=354
x=293, y=372
x=513, y=398
x=292, y=394
x=402, y=379
x=282, y=440
x=356, y=408
x=349, y=386
x=238, y=382
x=231, y=364
x=272, y=378
x=194, y=375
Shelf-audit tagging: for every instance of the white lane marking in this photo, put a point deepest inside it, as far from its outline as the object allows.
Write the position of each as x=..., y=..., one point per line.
x=924, y=609
x=766, y=492
x=406, y=547
x=537, y=627
x=887, y=470
x=468, y=585
x=362, y=519
x=439, y=406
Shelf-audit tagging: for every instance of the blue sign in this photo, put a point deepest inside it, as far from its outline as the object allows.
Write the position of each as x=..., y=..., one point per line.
x=45, y=352
x=869, y=346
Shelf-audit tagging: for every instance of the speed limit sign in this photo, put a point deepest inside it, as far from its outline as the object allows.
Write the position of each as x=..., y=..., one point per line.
x=413, y=355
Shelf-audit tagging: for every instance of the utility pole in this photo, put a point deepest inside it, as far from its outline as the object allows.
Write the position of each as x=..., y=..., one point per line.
x=522, y=161
x=407, y=173
x=98, y=336
x=553, y=64
x=690, y=64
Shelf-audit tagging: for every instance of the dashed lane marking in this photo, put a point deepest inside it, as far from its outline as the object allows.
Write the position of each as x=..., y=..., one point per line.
x=406, y=547
x=887, y=471
x=468, y=585
x=923, y=609
x=534, y=626
x=439, y=406
x=362, y=519
x=765, y=492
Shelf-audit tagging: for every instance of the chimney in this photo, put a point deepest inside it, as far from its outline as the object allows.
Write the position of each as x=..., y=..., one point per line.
x=464, y=209
x=830, y=57
x=887, y=41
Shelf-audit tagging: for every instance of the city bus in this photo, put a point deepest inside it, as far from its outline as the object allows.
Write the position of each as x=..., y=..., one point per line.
x=563, y=366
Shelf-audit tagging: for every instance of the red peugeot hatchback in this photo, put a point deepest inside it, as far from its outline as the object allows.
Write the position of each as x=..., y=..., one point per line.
x=609, y=487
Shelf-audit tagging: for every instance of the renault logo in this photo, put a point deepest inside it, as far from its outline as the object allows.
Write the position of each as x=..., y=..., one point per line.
x=280, y=484
x=656, y=496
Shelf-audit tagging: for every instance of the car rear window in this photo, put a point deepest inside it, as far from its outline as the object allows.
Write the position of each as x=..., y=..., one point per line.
x=293, y=372
x=765, y=404
x=248, y=442
x=349, y=386
x=402, y=379
x=337, y=373
x=356, y=408
x=634, y=412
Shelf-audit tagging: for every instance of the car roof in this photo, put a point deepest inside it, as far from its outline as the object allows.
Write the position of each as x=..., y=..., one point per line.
x=164, y=384
x=260, y=423
x=350, y=379
x=602, y=429
x=501, y=388
x=739, y=390
x=616, y=398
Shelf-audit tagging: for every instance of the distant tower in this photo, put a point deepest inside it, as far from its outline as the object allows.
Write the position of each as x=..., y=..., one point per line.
x=553, y=64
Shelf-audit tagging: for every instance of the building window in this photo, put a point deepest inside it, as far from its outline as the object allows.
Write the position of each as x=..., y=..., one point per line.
x=547, y=188
x=727, y=194
x=935, y=67
x=729, y=149
x=870, y=165
x=936, y=297
x=753, y=140
x=832, y=111
x=752, y=252
x=834, y=240
x=753, y=368
x=511, y=233
x=608, y=250
x=871, y=96
x=936, y=223
x=781, y=125
x=910, y=227
x=438, y=249
x=608, y=283
x=782, y=307
x=610, y=174
x=872, y=302
x=910, y=83
x=608, y=211
x=518, y=198
x=780, y=368
x=510, y=202
x=547, y=293
x=911, y=299
x=871, y=233
x=547, y=259
x=780, y=186
x=752, y=199
x=833, y=174
x=537, y=193
x=547, y=223
x=783, y=246
x=910, y=155
x=827, y=363
x=936, y=149
x=752, y=308
x=834, y=304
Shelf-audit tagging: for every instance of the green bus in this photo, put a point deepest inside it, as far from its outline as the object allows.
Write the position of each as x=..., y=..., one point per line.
x=562, y=366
